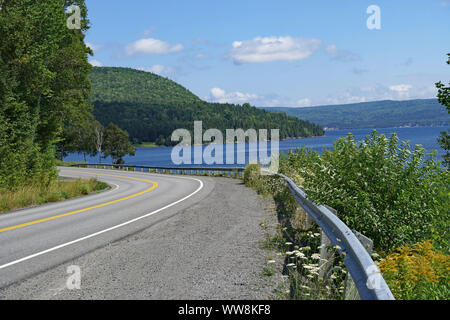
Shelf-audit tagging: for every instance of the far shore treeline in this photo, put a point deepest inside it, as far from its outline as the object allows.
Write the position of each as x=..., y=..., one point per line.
x=151, y=107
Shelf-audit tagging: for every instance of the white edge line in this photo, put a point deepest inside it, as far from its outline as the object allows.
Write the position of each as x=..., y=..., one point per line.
x=103, y=231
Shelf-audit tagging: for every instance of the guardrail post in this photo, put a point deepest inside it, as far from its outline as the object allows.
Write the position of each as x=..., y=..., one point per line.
x=326, y=255
x=350, y=290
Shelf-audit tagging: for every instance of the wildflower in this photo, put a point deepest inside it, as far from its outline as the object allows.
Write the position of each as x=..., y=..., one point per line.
x=290, y=265
x=316, y=256
x=288, y=243
x=307, y=248
x=333, y=276
x=337, y=247
x=289, y=253
x=271, y=261
x=317, y=234
x=375, y=255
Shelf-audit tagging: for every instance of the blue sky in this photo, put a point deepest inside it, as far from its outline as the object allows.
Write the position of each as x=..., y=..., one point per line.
x=279, y=53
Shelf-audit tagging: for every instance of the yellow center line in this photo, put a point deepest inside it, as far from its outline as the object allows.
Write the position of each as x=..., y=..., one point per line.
x=154, y=185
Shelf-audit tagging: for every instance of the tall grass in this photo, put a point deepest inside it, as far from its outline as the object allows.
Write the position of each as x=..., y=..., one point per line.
x=58, y=190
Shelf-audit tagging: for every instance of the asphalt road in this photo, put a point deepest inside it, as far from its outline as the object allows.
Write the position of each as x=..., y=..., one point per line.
x=35, y=239
x=184, y=238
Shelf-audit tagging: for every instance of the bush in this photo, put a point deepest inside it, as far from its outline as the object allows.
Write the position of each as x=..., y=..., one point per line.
x=252, y=175
x=417, y=272
x=384, y=190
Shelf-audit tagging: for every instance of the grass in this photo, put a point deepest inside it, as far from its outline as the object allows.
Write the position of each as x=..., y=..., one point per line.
x=147, y=145
x=68, y=164
x=57, y=191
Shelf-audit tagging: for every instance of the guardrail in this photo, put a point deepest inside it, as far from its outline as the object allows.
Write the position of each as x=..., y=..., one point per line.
x=229, y=171
x=365, y=273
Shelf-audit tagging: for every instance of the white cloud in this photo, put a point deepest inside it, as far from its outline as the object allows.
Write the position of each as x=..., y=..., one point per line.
x=401, y=88
x=221, y=96
x=201, y=56
x=332, y=49
x=381, y=92
x=95, y=63
x=306, y=102
x=160, y=70
x=265, y=49
x=152, y=46
x=94, y=47
x=342, y=55
x=270, y=100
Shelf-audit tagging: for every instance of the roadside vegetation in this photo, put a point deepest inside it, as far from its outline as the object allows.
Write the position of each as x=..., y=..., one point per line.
x=45, y=110
x=395, y=195
x=57, y=191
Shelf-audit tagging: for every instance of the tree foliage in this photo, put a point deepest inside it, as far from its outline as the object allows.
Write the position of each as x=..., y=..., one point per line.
x=380, y=188
x=117, y=144
x=44, y=83
x=444, y=99
x=150, y=108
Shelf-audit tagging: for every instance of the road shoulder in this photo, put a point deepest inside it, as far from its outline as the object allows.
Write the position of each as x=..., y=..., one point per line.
x=210, y=250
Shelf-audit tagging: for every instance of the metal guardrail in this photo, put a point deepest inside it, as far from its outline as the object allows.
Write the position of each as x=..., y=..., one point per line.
x=365, y=273
x=230, y=171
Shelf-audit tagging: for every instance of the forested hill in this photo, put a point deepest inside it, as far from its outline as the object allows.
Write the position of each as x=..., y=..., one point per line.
x=130, y=85
x=378, y=114
x=151, y=107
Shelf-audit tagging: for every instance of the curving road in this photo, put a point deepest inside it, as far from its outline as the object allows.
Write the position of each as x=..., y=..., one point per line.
x=36, y=239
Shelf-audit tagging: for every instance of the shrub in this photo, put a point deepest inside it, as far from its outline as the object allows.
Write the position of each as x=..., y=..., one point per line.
x=417, y=272
x=252, y=175
x=384, y=190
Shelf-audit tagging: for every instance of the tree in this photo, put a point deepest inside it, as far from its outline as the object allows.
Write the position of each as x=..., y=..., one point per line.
x=117, y=144
x=98, y=138
x=44, y=83
x=444, y=99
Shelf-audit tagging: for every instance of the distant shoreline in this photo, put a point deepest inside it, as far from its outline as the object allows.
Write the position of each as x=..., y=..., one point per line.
x=153, y=145
x=374, y=128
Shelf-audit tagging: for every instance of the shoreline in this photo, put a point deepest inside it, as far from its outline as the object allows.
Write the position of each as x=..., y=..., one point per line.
x=224, y=143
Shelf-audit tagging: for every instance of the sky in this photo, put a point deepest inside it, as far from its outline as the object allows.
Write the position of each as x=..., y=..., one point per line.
x=285, y=53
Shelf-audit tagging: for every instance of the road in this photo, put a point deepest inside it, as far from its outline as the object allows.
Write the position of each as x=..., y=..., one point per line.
x=149, y=237
x=38, y=238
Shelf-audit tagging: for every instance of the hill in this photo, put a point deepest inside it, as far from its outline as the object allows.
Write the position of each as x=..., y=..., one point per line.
x=378, y=114
x=134, y=86
x=151, y=107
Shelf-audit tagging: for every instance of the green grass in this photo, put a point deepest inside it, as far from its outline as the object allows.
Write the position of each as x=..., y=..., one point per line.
x=57, y=191
x=147, y=145
x=68, y=164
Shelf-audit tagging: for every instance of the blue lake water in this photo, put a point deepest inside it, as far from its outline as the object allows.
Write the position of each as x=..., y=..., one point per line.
x=161, y=156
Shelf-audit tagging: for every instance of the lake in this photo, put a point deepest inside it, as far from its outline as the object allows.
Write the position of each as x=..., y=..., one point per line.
x=161, y=156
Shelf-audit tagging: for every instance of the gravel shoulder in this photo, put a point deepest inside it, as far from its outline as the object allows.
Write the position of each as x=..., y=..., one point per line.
x=211, y=250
